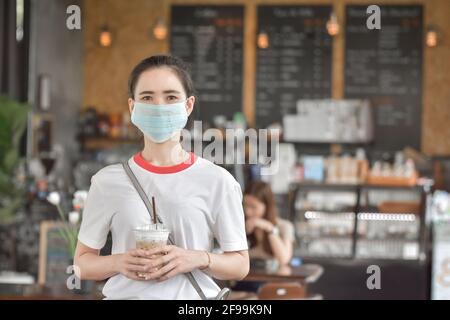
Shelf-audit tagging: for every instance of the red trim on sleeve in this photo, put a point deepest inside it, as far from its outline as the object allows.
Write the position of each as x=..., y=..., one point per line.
x=140, y=161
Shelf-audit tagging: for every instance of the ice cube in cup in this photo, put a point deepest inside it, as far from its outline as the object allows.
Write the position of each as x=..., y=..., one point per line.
x=151, y=236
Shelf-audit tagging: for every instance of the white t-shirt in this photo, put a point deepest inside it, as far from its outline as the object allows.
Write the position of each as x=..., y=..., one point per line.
x=197, y=200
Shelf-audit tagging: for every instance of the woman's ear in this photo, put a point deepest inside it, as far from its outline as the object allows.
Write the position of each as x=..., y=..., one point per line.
x=130, y=105
x=190, y=104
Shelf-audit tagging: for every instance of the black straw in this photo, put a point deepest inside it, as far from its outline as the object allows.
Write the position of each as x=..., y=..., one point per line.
x=154, y=212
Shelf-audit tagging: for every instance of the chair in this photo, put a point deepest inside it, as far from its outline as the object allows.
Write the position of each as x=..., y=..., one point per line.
x=315, y=270
x=282, y=291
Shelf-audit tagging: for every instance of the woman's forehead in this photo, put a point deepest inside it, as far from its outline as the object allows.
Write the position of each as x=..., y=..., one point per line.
x=159, y=80
x=250, y=198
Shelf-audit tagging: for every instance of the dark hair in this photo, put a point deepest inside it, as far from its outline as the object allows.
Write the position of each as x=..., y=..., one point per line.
x=176, y=64
x=262, y=191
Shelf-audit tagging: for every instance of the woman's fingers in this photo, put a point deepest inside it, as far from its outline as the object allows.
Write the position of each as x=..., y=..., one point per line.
x=146, y=265
x=160, y=268
x=137, y=268
x=139, y=261
x=259, y=223
x=162, y=271
x=134, y=276
x=161, y=260
x=159, y=250
x=138, y=253
x=169, y=275
x=149, y=264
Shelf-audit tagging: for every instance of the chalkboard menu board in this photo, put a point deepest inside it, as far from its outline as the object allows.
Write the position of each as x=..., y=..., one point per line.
x=385, y=66
x=54, y=256
x=210, y=39
x=296, y=64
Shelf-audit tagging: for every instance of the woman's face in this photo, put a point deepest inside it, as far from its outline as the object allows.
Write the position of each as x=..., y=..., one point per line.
x=253, y=208
x=160, y=86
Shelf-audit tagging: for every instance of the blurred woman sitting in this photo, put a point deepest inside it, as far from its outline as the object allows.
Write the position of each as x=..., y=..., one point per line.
x=270, y=237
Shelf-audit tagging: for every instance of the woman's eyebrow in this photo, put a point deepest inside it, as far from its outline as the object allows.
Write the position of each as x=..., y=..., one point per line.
x=171, y=91
x=147, y=92
x=165, y=91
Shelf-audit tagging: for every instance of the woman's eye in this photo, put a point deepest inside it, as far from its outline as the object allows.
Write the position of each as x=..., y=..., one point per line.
x=146, y=98
x=172, y=98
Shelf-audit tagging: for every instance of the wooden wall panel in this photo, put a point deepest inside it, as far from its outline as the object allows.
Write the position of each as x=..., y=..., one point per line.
x=106, y=70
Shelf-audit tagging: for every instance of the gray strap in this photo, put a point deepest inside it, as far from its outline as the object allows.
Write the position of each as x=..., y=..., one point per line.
x=144, y=198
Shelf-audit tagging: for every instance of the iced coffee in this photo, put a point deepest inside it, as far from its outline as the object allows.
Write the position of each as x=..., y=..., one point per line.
x=150, y=236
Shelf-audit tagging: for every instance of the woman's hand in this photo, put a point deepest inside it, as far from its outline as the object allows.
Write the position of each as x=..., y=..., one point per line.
x=173, y=261
x=259, y=223
x=132, y=263
x=264, y=224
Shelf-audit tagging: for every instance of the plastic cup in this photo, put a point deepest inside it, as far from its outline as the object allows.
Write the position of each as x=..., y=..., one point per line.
x=150, y=236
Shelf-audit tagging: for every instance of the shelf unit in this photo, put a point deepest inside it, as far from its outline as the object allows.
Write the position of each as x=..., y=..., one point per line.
x=363, y=217
x=345, y=276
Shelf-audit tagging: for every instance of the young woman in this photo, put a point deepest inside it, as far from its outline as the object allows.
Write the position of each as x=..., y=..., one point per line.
x=270, y=237
x=199, y=202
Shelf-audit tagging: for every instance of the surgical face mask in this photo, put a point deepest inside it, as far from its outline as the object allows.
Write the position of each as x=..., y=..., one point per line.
x=159, y=122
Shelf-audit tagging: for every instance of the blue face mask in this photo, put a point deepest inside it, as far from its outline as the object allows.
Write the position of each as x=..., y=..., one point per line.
x=159, y=122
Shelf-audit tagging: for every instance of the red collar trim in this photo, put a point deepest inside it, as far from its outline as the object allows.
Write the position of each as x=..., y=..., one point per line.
x=140, y=161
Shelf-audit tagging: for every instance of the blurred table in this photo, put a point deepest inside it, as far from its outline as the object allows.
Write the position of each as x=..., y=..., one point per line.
x=303, y=274
x=280, y=282
x=41, y=292
x=306, y=273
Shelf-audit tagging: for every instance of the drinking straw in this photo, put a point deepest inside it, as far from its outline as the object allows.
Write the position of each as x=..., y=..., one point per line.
x=154, y=212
